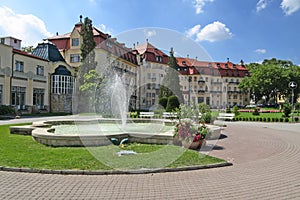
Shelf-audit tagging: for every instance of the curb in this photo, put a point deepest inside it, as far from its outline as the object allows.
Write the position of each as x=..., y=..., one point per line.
x=112, y=172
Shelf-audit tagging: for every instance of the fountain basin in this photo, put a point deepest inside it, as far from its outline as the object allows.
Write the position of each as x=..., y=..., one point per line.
x=43, y=132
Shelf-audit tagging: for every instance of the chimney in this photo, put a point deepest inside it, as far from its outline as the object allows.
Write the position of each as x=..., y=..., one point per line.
x=80, y=17
x=187, y=55
x=56, y=33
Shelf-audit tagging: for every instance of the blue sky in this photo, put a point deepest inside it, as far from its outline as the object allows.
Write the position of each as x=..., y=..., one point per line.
x=252, y=30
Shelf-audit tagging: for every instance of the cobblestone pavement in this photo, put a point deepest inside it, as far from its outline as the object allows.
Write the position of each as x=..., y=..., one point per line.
x=266, y=165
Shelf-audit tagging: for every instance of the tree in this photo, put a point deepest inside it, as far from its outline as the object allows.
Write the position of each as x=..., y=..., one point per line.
x=87, y=50
x=269, y=79
x=28, y=49
x=86, y=73
x=170, y=84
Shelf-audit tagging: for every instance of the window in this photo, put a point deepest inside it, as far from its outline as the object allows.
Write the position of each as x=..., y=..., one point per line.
x=75, y=41
x=2, y=40
x=62, y=84
x=18, y=97
x=40, y=70
x=38, y=97
x=19, y=66
x=1, y=91
x=158, y=58
x=74, y=58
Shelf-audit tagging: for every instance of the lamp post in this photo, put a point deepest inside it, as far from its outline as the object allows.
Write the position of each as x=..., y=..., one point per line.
x=292, y=85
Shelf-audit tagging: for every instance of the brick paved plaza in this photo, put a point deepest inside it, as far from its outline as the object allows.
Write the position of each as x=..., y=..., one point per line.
x=266, y=165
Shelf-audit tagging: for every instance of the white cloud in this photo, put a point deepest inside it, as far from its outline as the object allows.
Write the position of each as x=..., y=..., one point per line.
x=260, y=51
x=29, y=28
x=149, y=33
x=193, y=31
x=104, y=29
x=290, y=6
x=262, y=4
x=199, y=4
x=213, y=32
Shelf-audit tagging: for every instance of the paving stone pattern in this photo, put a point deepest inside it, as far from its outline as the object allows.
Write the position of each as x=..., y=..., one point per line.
x=266, y=165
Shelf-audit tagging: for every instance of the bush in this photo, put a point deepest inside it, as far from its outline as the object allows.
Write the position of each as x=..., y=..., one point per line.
x=7, y=110
x=296, y=119
x=287, y=109
x=286, y=120
x=256, y=112
x=276, y=120
x=172, y=104
x=268, y=119
x=281, y=119
x=264, y=119
x=236, y=110
x=228, y=110
x=163, y=102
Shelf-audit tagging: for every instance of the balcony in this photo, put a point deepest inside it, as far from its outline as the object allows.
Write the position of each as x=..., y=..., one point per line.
x=201, y=81
x=201, y=91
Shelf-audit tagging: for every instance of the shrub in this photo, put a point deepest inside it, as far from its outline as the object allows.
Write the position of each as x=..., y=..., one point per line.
x=276, y=120
x=172, y=104
x=264, y=119
x=236, y=110
x=286, y=120
x=268, y=119
x=228, y=110
x=250, y=119
x=163, y=101
x=287, y=109
x=260, y=119
x=281, y=119
x=7, y=110
x=296, y=119
x=256, y=112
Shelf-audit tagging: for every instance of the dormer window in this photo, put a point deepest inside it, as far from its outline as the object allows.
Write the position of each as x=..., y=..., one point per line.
x=75, y=42
x=183, y=63
x=209, y=65
x=158, y=58
x=226, y=65
x=218, y=65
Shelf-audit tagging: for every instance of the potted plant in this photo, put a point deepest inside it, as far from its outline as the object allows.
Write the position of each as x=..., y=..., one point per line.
x=190, y=135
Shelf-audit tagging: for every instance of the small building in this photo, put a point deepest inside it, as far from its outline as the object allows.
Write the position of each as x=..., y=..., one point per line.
x=26, y=78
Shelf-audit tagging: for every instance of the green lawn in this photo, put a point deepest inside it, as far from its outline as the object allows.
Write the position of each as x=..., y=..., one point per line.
x=23, y=151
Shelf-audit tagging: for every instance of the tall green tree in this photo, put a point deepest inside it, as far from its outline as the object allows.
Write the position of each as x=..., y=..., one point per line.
x=87, y=76
x=171, y=86
x=87, y=50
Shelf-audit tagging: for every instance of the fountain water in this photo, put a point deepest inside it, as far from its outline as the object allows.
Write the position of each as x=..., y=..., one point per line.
x=120, y=99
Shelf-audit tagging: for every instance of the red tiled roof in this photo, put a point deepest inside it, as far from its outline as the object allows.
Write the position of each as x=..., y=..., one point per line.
x=149, y=52
x=193, y=66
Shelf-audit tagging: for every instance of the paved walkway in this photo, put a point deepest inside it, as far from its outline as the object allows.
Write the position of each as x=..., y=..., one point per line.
x=266, y=166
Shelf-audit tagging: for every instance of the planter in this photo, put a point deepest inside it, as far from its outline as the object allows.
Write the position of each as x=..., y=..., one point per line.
x=193, y=145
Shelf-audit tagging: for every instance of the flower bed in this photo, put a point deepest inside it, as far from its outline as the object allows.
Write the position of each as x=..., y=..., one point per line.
x=189, y=134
